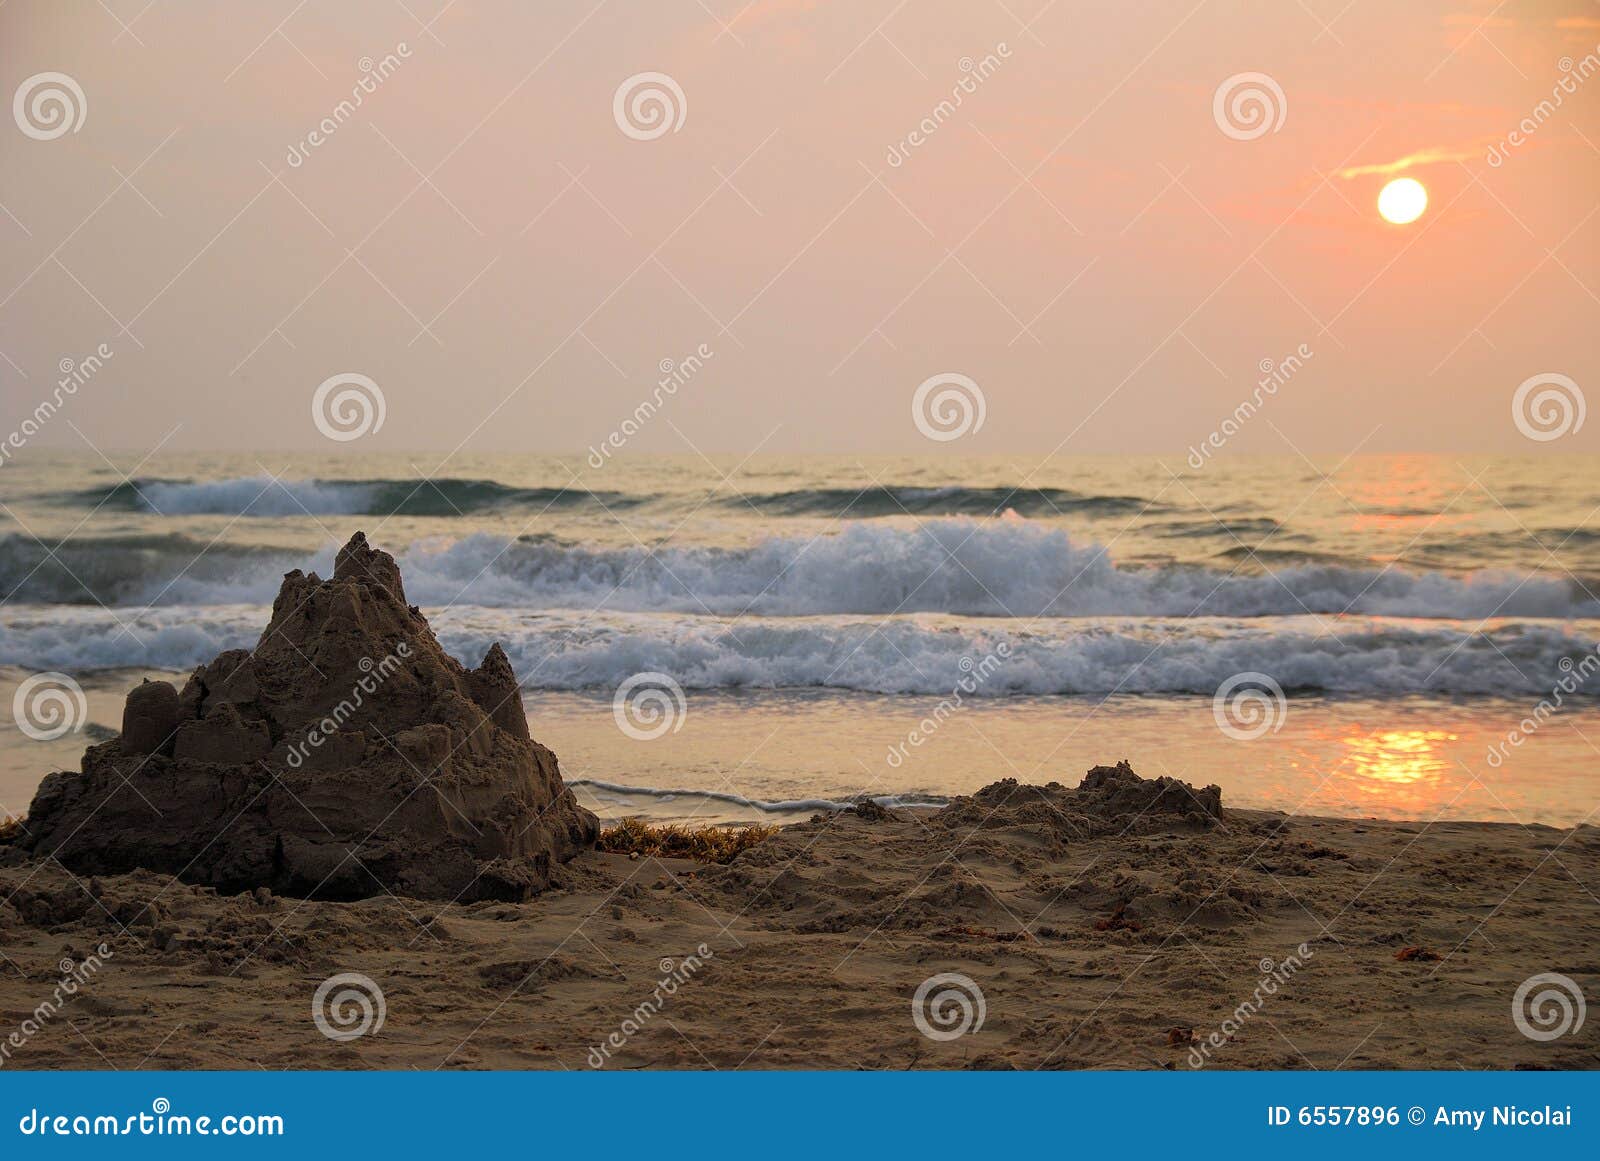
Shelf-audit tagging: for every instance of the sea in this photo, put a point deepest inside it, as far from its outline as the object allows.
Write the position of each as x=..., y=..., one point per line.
x=730, y=639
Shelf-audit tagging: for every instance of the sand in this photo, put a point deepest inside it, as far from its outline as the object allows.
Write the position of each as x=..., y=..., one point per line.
x=1115, y=927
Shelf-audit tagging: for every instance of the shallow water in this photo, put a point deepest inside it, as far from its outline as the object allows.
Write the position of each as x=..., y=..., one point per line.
x=1413, y=610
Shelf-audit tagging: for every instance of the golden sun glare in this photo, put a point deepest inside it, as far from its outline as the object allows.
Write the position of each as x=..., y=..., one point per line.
x=1402, y=200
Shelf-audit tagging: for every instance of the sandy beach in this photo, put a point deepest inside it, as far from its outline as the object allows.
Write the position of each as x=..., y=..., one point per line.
x=1098, y=936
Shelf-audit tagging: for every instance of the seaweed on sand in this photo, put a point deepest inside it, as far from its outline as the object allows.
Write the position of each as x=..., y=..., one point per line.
x=707, y=844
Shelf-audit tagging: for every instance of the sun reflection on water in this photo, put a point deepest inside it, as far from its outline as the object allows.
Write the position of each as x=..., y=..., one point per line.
x=1398, y=757
x=1393, y=773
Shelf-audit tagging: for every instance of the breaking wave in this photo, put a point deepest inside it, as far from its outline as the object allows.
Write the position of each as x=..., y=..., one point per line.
x=920, y=654
x=987, y=568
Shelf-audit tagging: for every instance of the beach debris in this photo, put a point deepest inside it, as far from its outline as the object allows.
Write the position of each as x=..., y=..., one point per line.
x=346, y=755
x=1417, y=955
x=1118, y=921
x=707, y=844
x=866, y=808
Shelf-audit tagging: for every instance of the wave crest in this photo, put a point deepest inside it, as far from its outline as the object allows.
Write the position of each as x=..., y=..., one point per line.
x=991, y=568
x=902, y=655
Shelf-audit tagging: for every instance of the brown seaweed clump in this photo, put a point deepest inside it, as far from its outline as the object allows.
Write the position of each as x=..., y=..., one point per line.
x=708, y=844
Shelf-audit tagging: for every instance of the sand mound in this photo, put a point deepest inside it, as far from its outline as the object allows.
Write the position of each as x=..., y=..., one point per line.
x=997, y=857
x=1109, y=800
x=345, y=756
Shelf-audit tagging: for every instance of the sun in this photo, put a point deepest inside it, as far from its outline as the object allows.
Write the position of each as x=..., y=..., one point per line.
x=1402, y=200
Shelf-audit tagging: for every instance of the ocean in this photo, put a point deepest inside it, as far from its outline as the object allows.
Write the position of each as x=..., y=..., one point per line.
x=1394, y=637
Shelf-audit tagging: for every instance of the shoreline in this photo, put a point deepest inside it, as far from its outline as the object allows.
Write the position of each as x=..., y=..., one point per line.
x=1341, y=757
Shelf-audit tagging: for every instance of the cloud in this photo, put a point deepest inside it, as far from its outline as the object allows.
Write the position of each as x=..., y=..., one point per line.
x=1432, y=156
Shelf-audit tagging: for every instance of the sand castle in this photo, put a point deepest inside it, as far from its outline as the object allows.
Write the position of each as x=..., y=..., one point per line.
x=346, y=755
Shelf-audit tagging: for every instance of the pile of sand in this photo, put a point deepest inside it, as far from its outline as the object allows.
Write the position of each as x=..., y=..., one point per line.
x=345, y=756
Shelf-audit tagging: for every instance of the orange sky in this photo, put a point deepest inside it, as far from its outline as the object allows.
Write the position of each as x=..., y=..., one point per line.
x=1080, y=236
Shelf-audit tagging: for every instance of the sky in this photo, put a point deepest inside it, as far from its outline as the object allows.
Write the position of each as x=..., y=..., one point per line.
x=1096, y=236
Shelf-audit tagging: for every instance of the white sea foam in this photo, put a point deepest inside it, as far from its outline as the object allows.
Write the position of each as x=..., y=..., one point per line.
x=920, y=654
x=992, y=568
